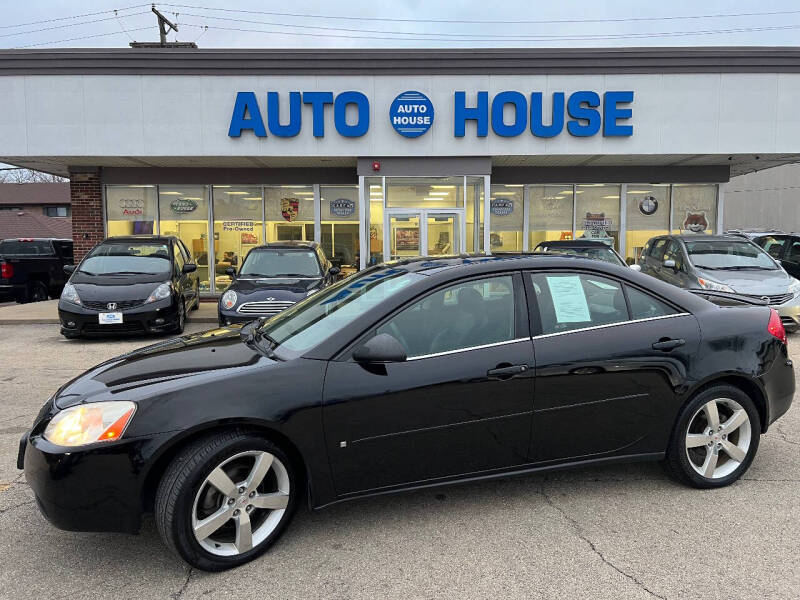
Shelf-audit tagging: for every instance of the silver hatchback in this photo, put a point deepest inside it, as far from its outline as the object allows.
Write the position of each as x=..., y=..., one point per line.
x=724, y=263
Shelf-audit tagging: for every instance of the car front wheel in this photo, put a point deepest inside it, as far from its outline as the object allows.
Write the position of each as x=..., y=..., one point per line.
x=225, y=499
x=715, y=439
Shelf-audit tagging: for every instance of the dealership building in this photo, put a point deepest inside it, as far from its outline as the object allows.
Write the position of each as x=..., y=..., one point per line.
x=381, y=154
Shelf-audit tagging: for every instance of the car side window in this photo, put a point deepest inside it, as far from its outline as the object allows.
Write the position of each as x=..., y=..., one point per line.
x=465, y=315
x=772, y=245
x=673, y=252
x=567, y=301
x=179, y=261
x=657, y=250
x=184, y=252
x=645, y=306
x=794, y=252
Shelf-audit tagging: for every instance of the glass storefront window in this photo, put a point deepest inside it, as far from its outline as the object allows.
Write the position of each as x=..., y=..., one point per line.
x=289, y=212
x=373, y=189
x=424, y=192
x=646, y=216
x=694, y=208
x=238, y=216
x=507, y=216
x=131, y=209
x=339, y=220
x=550, y=214
x=597, y=213
x=183, y=212
x=475, y=205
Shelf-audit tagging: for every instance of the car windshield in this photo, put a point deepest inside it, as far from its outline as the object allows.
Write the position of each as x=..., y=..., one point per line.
x=281, y=262
x=728, y=255
x=320, y=316
x=127, y=258
x=593, y=252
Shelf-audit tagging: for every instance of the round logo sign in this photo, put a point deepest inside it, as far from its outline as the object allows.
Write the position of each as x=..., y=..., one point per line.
x=411, y=114
x=342, y=207
x=501, y=207
x=183, y=205
x=648, y=205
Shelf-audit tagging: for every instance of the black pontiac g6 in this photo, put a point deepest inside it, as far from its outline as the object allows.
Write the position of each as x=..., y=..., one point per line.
x=415, y=373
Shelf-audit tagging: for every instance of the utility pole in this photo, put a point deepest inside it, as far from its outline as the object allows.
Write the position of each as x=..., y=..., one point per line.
x=164, y=27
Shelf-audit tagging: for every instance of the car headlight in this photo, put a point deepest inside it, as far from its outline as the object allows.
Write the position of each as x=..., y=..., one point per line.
x=714, y=286
x=228, y=299
x=160, y=293
x=70, y=294
x=794, y=287
x=90, y=423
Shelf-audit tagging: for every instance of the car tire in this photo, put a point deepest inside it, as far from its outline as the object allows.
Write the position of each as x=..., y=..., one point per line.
x=186, y=499
x=181, y=324
x=196, y=304
x=35, y=291
x=702, y=458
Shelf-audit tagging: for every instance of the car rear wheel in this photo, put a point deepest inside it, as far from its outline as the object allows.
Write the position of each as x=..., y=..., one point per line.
x=196, y=304
x=225, y=500
x=35, y=291
x=715, y=439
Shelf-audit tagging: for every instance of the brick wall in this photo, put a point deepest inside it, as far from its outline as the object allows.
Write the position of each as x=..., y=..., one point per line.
x=85, y=191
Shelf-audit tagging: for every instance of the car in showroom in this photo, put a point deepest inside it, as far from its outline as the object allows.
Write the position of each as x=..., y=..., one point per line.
x=411, y=374
x=592, y=249
x=137, y=284
x=274, y=277
x=724, y=263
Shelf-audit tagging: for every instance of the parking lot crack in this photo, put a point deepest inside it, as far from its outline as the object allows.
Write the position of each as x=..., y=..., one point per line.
x=13, y=506
x=579, y=532
x=177, y=595
x=785, y=437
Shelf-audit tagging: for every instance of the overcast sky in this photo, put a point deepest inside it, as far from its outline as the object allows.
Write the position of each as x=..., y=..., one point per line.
x=404, y=23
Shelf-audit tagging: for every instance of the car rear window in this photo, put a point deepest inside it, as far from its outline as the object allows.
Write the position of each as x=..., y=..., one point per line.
x=26, y=248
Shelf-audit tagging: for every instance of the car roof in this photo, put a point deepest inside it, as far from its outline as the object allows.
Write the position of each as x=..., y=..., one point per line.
x=35, y=239
x=289, y=244
x=702, y=236
x=574, y=244
x=139, y=238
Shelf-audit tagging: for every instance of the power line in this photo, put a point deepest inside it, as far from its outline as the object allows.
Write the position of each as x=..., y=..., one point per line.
x=71, y=25
x=445, y=36
x=542, y=37
x=488, y=22
x=92, y=14
x=83, y=37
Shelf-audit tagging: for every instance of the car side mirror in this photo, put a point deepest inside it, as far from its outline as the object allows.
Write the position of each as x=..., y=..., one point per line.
x=230, y=272
x=383, y=348
x=334, y=271
x=636, y=267
x=69, y=269
x=670, y=264
x=189, y=268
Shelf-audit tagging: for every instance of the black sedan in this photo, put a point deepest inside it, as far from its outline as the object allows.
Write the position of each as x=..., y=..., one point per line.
x=274, y=277
x=138, y=284
x=416, y=373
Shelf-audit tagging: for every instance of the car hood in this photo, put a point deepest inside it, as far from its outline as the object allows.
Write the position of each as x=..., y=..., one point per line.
x=279, y=289
x=107, y=291
x=757, y=282
x=197, y=355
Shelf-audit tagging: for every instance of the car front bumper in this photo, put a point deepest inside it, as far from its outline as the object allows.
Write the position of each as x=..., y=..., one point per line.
x=92, y=489
x=154, y=317
x=790, y=313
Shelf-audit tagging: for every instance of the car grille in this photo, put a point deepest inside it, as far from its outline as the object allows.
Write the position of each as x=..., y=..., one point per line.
x=113, y=328
x=774, y=299
x=121, y=304
x=265, y=307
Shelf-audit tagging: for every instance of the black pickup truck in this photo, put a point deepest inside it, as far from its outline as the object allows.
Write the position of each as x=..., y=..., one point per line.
x=32, y=269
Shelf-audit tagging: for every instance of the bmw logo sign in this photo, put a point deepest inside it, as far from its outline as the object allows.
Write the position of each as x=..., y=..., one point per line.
x=411, y=114
x=648, y=205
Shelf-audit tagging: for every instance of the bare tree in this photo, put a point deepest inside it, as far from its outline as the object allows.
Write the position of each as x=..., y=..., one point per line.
x=12, y=175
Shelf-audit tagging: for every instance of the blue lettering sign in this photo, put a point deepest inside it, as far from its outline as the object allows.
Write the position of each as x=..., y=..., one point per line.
x=411, y=114
x=612, y=112
x=462, y=114
x=538, y=128
x=339, y=114
x=318, y=100
x=274, y=115
x=520, y=114
x=582, y=106
x=246, y=103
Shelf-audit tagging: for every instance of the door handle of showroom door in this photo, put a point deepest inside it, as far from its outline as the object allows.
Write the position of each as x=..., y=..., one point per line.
x=667, y=344
x=506, y=371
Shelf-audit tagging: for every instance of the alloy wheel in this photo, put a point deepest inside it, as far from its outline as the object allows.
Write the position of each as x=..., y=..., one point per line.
x=240, y=503
x=718, y=438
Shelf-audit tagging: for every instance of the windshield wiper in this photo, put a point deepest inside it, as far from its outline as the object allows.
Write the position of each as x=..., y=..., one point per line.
x=294, y=275
x=706, y=267
x=252, y=334
x=129, y=273
x=87, y=273
x=744, y=268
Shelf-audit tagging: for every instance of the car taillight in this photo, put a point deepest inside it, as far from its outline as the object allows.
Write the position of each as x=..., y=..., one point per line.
x=775, y=325
x=6, y=270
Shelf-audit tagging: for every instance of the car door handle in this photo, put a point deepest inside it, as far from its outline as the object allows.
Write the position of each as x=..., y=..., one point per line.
x=506, y=371
x=666, y=344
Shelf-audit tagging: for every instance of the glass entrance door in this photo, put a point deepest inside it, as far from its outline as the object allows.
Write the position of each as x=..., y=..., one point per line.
x=428, y=232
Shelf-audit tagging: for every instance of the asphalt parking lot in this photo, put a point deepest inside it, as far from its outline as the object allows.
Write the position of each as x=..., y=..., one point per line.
x=614, y=532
